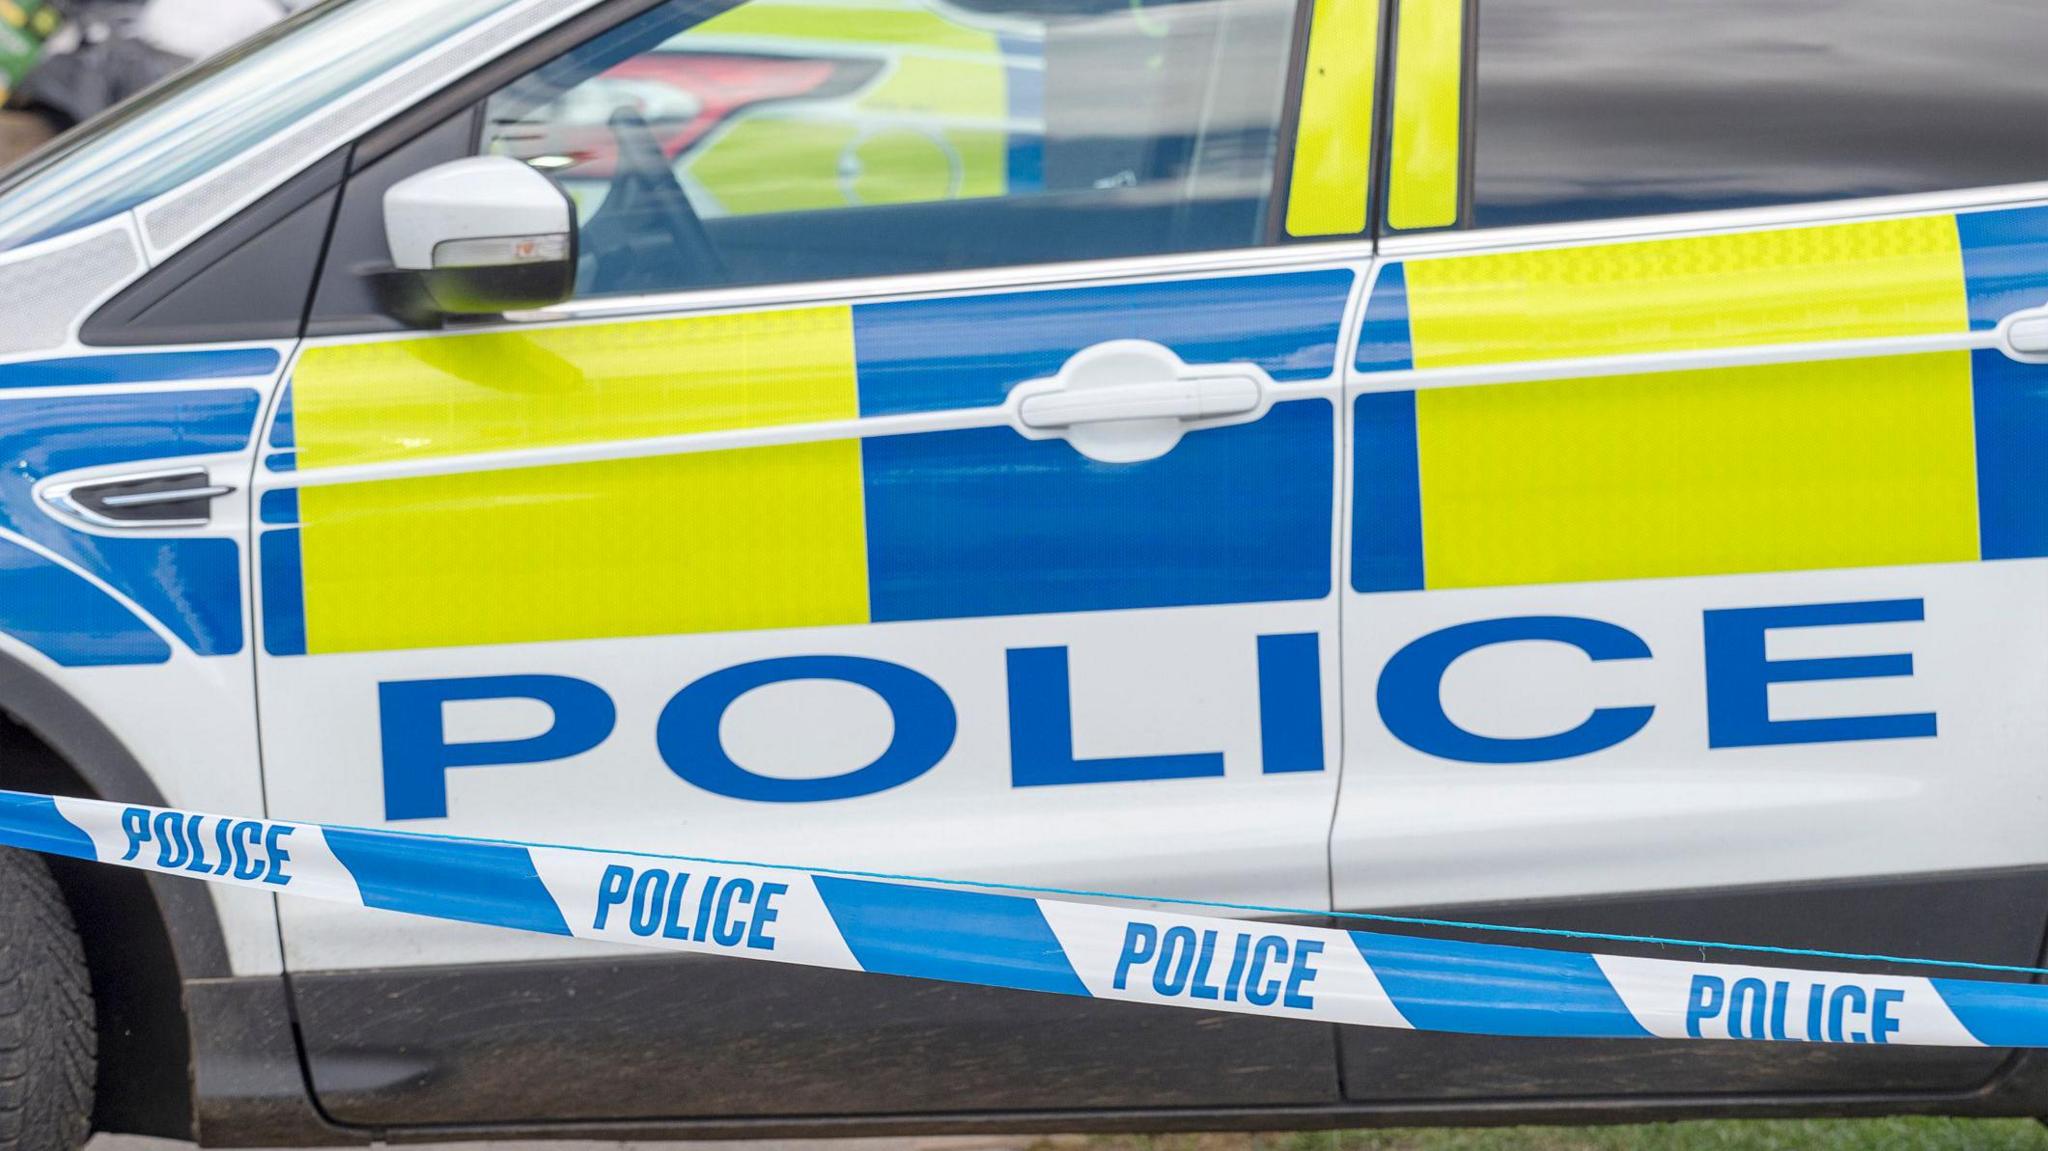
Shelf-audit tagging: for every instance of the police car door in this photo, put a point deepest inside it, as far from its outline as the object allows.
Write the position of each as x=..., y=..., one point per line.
x=842, y=520
x=1698, y=551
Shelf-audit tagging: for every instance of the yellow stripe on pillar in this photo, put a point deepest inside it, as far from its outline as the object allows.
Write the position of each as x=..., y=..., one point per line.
x=1428, y=113
x=1332, y=175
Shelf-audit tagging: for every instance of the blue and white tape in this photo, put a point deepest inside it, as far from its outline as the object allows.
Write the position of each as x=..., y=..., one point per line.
x=973, y=936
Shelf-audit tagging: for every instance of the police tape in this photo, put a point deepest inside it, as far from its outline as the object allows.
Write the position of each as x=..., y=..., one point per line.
x=974, y=936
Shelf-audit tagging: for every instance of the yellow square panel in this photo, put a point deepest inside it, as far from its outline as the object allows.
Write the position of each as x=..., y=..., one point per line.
x=759, y=538
x=1838, y=282
x=1849, y=463
x=452, y=395
x=715, y=541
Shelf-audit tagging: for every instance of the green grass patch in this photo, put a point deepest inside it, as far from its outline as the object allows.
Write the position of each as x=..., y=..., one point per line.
x=1912, y=1134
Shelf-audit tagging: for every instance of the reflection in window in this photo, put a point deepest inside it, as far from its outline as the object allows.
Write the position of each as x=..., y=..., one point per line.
x=813, y=139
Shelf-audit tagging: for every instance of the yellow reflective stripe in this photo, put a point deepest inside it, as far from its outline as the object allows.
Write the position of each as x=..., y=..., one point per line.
x=1838, y=282
x=456, y=395
x=1429, y=72
x=758, y=538
x=1850, y=463
x=715, y=541
x=1327, y=192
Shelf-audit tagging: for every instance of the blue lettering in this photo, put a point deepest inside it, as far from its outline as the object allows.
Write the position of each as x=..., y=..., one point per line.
x=242, y=848
x=278, y=855
x=726, y=927
x=417, y=754
x=1704, y=1002
x=1042, y=733
x=702, y=930
x=1305, y=950
x=611, y=891
x=1411, y=685
x=1233, y=981
x=1846, y=998
x=221, y=827
x=765, y=913
x=1882, y=1025
x=1176, y=957
x=1739, y=676
x=728, y=911
x=170, y=839
x=1141, y=943
x=248, y=834
x=195, y=834
x=135, y=822
x=672, y=916
x=1269, y=949
x=1747, y=997
x=1184, y=963
x=1290, y=703
x=1200, y=987
x=649, y=892
x=687, y=733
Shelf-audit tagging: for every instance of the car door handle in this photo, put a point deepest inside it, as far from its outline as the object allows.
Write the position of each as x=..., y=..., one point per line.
x=177, y=498
x=2024, y=336
x=1187, y=398
x=1127, y=401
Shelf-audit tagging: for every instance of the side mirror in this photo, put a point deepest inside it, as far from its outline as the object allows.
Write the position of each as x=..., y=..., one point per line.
x=483, y=236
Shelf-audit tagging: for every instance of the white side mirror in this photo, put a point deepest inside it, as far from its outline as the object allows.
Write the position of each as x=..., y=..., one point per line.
x=484, y=235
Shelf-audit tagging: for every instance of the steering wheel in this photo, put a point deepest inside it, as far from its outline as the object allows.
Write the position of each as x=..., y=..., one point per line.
x=645, y=195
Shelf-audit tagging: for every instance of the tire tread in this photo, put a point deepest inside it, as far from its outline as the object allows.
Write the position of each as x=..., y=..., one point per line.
x=48, y=1041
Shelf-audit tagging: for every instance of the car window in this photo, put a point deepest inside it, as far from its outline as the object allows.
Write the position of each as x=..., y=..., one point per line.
x=1604, y=108
x=787, y=140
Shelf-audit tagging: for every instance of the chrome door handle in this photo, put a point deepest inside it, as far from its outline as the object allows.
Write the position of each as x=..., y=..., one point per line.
x=176, y=498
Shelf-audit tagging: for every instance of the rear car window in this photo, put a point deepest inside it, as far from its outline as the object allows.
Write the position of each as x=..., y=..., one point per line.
x=1603, y=108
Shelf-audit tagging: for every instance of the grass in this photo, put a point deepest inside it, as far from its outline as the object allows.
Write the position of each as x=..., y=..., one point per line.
x=1718, y=1135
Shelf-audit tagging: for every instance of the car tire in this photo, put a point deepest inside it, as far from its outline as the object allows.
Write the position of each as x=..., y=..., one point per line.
x=47, y=1041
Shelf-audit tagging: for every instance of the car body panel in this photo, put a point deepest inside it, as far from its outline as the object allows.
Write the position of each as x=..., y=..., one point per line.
x=859, y=542
x=1623, y=467
x=1675, y=577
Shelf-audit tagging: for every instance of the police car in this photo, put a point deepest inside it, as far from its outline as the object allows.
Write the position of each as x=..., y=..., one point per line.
x=1558, y=463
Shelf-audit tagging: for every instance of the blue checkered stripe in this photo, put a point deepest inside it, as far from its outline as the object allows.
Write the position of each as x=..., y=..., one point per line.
x=1130, y=951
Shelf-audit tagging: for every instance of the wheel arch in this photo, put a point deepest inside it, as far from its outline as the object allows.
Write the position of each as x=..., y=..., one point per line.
x=145, y=935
